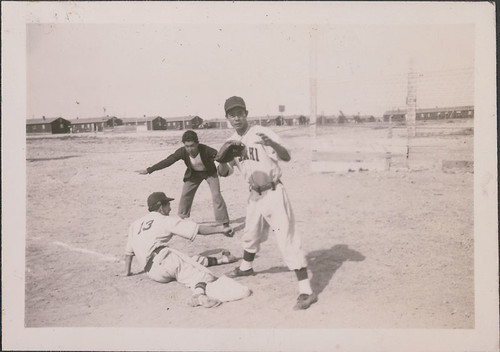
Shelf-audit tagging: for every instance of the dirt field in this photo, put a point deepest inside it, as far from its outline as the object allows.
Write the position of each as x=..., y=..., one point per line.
x=386, y=249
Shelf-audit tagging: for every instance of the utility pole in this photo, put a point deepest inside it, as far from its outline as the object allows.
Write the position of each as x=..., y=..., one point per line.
x=411, y=107
x=313, y=78
x=411, y=102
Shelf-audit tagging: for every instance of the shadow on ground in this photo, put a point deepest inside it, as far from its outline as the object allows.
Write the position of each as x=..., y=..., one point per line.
x=240, y=221
x=241, y=224
x=323, y=264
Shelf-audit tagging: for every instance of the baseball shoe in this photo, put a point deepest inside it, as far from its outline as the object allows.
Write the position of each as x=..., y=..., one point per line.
x=237, y=272
x=203, y=300
x=227, y=257
x=304, y=301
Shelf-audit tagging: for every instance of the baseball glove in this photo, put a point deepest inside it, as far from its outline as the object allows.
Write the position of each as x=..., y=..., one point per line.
x=229, y=151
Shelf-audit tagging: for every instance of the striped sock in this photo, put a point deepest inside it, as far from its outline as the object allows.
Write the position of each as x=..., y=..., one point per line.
x=212, y=261
x=199, y=288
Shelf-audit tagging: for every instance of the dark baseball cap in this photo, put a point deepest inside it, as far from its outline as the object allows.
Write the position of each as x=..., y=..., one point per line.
x=234, y=102
x=155, y=198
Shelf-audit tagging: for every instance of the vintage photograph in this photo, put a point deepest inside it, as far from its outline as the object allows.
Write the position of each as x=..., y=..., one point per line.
x=250, y=170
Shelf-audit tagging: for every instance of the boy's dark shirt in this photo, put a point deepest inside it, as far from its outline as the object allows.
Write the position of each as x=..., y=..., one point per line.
x=207, y=155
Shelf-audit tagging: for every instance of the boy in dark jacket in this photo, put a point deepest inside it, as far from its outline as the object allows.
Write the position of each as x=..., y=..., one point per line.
x=199, y=159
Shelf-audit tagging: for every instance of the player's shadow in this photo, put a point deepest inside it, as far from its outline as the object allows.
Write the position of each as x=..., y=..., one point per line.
x=323, y=264
x=241, y=223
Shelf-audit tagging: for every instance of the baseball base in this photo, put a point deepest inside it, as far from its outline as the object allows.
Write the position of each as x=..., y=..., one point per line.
x=226, y=289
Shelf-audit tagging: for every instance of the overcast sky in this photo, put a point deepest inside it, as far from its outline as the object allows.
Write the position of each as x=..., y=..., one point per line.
x=176, y=69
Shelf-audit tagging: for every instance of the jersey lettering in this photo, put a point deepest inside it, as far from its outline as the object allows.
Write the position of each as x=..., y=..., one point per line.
x=145, y=226
x=251, y=154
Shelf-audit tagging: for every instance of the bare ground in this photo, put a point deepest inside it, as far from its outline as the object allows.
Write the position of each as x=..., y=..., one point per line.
x=386, y=249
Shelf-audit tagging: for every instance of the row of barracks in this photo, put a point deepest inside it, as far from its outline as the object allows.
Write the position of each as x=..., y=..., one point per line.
x=58, y=125
x=268, y=120
x=459, y=112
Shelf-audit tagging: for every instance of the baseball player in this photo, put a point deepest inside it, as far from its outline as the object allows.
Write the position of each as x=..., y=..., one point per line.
x=199, y=160
x=268, y=203
x=148, y=239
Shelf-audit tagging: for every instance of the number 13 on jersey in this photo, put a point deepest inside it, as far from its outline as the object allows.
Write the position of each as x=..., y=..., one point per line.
x=146, y=225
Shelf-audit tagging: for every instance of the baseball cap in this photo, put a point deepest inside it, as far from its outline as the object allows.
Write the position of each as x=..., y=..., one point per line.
x=234, y=102
x=155, y=198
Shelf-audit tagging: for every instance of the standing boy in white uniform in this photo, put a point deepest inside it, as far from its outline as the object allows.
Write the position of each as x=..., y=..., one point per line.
x=268, y=203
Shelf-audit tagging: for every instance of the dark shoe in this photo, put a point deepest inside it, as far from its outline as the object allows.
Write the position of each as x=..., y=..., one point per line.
x=304, y=301
x=237, y=272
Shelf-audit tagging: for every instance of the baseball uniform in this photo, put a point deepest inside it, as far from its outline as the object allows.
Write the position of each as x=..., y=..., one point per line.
x=147, y=240
x=152, y=232
x=268, y=203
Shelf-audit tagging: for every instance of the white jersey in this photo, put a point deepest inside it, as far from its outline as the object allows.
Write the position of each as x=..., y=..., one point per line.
x=154, y=230
x=259, y=166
